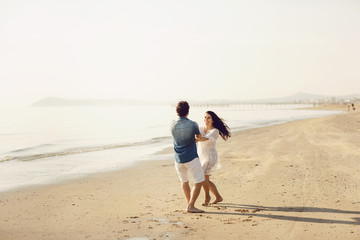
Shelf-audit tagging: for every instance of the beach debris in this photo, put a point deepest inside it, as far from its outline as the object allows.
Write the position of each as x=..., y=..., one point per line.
x=135, y=238
x=257, y=210
x=242, y=210
x=220, y=208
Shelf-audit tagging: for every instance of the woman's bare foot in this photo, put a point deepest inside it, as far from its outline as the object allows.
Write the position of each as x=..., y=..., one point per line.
x=207, y=200
x=219, y=199
x=194, y=210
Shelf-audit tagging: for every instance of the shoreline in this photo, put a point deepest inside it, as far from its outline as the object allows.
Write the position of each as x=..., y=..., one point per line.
x=297, y=180
x=70, y=166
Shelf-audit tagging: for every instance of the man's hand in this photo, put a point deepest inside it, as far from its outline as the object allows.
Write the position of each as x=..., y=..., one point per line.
x=199, y=138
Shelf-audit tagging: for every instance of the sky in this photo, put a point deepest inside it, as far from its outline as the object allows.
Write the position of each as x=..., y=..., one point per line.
x=170, y=50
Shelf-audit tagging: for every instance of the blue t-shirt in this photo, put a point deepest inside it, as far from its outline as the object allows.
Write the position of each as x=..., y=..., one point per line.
x=183, y=131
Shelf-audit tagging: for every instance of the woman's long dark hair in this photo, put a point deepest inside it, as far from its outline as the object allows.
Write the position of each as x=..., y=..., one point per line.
x=219, y=123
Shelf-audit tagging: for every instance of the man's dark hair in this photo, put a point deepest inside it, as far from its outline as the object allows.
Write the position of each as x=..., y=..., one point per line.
x=182, y=108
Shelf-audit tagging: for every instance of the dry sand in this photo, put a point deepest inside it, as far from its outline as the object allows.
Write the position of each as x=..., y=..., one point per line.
x=299, y=180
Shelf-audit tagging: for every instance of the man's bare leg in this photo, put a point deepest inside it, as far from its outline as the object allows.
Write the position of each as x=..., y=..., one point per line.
x=214, y=190
x=186, y=189
x=206, y=189
x=195, y=194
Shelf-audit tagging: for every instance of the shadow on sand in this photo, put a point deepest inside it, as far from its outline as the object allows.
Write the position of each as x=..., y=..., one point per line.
x=258, y=211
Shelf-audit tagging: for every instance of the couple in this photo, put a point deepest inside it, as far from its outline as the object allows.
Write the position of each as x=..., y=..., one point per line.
x=186, y=134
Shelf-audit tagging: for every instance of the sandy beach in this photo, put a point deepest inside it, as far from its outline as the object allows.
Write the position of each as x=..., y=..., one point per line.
x=299, y=180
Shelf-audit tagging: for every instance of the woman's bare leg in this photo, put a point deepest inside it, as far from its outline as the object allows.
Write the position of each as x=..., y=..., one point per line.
x=206, y=189
x=214, y=190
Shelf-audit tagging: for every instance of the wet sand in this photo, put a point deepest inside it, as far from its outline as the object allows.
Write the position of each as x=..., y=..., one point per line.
x=299, y=180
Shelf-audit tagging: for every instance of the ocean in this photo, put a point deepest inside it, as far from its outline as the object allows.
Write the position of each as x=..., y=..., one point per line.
x=41, y=145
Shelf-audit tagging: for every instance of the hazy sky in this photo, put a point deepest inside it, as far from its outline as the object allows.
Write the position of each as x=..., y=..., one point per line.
x=170, y=50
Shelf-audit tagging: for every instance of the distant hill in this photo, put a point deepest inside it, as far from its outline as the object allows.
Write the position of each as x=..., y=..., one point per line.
x=52, y=101
x=297, y=98
x=308, y=98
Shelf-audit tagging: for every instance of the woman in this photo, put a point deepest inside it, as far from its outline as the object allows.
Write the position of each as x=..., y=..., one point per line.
x=214, y=126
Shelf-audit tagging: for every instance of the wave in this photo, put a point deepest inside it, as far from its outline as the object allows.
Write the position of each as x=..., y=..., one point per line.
x=31, y=148
x=79, y=150
x=6, y=158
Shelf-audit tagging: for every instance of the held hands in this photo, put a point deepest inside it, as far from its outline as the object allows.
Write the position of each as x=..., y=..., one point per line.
x=200, y=139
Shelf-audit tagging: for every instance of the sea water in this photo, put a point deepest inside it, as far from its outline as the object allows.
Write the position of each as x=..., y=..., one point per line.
x=40, y=145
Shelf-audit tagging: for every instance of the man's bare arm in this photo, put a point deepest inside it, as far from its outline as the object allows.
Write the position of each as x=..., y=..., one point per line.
x=200, y=138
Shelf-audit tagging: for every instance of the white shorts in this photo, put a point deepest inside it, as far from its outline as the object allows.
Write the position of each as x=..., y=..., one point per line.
x=194, y=166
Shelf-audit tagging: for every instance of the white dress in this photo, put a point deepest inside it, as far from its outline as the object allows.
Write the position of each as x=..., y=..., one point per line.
x=207, y=150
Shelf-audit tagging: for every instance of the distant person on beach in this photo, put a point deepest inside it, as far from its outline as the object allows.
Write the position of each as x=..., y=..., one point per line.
x=184, y=132
x=214, y=126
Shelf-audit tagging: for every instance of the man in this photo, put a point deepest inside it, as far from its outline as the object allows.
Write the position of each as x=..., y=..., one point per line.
x=184, y=132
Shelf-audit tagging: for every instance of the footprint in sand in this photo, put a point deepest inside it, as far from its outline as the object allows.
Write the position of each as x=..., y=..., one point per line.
x=229, y=223
x=179, y=211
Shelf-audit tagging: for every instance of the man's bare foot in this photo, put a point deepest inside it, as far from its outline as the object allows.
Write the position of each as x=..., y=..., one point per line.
x=194, y=210
x=207, y=200
x=220, y=199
